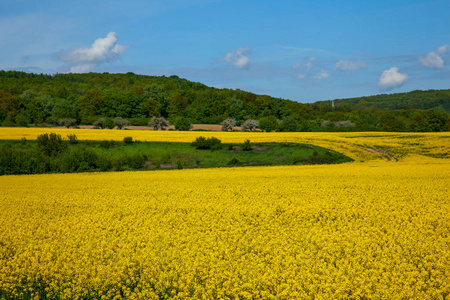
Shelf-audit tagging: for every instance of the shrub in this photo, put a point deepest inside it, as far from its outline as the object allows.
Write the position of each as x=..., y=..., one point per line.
x=228, y=124
x=106, y=144
x=158, y=123
x=136, y=161
x=289, y=124
x=68, y=123
x=246, y=146
x=250, y=125
x=203, y=143
x=128, y=140
x=268, y=123
x=51, y=144
x=234, y=162
x=72, y=139
x=108, y=123
x=183, y=124
x=121, y=122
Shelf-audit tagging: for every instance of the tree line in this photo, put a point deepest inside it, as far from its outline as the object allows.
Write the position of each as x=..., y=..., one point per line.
x=73, y=99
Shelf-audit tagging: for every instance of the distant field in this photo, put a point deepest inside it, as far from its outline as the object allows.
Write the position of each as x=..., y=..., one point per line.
x=375, y=228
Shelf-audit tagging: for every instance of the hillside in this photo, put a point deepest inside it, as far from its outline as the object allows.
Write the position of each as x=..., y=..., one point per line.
x=27, y=98
x=431, y=99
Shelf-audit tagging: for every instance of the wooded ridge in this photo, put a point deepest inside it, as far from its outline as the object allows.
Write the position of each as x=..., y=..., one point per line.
x=27, y=98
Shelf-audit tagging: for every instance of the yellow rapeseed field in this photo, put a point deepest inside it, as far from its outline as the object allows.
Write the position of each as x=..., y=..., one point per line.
x=376, y=228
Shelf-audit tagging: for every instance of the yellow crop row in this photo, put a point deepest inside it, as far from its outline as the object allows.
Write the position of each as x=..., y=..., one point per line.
x=361, y=146
x=354, y=231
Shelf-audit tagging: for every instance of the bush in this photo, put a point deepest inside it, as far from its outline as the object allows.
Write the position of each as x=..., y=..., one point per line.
x=268, y=124
x=68, y=123
x=289, y=124
x=158, y=123
x=234, y=162
x=183, y=124
x=203, y=143
x=128, y=140
x=250, y=125
x=246, y=146
x=72, y=139
x=51, y=144
x=121, y=122
x=136, y=161
x=228, y=124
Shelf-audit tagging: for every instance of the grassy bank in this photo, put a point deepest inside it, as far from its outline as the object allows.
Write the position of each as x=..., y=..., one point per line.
x=27, y=157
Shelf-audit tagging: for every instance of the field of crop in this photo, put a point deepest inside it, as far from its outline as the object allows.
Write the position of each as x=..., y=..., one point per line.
x=377, y=228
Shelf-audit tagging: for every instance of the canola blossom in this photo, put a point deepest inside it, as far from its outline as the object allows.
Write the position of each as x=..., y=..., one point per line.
x=378, y=229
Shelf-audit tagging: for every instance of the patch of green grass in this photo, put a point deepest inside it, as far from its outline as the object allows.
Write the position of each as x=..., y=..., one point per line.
x=120, y=156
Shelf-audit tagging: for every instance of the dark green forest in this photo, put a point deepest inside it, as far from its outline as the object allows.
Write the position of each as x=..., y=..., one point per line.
x=38, y=99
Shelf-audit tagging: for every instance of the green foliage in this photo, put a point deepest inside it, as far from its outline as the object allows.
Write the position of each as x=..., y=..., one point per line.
x=234, y=162
x=136, y=160
x=51, y=144
x=108, y=123
x=246, y=146
x=288, y=124
x=72, y=139
x=268, y=124
x=202, y=143
x=128, y=140
x=28, y=98
x=183, y=124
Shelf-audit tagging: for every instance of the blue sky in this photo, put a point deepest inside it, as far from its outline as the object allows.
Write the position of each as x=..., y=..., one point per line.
x=300, y=50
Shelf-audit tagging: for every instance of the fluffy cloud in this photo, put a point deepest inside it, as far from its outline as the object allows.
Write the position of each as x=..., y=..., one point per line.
x=434, y=59
x=348, y=65
x=102, y=50
x=322, y=75
x=391, y=78
x=238, y=58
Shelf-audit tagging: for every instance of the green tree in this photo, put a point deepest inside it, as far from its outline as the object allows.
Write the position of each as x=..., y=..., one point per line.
x=268, y=123
x=288, y=124
x=51, y=144
x=183, y=124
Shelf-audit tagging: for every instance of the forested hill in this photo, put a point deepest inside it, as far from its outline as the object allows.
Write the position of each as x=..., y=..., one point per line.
x=431, y=99
x=27, y=98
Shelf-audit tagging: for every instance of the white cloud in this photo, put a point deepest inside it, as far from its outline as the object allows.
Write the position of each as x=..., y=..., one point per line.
x=434, y=59
x=304, y=68
x=322, y=75
x=348, y=65
x=102, y=50
x=391, y=78
x=238, y=58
